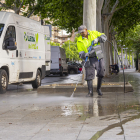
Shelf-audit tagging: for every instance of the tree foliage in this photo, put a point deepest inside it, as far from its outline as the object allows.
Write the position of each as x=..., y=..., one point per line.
x=66, y=14
x=54, y=44
x=71, y=50
x=25, y=7
x=126, y=17
x=131, y=40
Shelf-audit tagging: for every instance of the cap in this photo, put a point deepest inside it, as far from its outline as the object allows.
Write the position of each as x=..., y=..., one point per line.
x=81, y=28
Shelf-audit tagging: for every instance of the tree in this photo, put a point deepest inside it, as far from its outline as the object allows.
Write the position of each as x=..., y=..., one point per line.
x=54, y=44
x=71, y=50
x=67, y=14
x=26, y=7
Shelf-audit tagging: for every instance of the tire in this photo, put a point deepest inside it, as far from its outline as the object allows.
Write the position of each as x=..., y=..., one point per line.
x=37, y=82
x=66, y=73
x=3, y=81
x=61, y=74
x=72, y=71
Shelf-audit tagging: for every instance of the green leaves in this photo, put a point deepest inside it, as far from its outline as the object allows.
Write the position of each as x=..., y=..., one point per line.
x=71, y=50
x=67, y=14
x=126, y=18
x=54, y=44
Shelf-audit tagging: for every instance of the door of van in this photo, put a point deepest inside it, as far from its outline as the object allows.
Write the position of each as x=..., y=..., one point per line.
x=11, y=55
x=63, y=60
x=55, y=57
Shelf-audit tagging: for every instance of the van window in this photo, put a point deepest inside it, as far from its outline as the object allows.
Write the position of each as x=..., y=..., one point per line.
x=10, y=32
x=1, y=28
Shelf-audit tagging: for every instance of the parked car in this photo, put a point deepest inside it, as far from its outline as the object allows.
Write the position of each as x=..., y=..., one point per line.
x=74, y=68
x=58, y=61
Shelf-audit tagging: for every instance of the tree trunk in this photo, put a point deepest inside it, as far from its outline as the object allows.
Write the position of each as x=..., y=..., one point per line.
x=106, y=49
x=89, y=14
x=99, y=5
x=89, y=20
x=111, y=55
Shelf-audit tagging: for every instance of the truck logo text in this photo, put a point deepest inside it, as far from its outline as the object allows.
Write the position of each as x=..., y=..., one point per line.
x=31, y=38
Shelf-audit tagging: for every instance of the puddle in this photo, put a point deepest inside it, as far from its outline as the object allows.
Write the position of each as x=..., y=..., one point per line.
x=72, y=110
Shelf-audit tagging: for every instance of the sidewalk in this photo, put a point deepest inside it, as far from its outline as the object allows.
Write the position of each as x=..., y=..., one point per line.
x=114, y=116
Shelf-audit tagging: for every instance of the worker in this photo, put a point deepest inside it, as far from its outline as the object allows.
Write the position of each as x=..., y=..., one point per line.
x=84, y=41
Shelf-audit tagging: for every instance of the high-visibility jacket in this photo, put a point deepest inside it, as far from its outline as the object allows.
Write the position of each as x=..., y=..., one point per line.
x=84, y=43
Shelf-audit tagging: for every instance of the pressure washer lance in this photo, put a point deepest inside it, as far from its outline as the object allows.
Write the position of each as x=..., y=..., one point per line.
x=86, y=63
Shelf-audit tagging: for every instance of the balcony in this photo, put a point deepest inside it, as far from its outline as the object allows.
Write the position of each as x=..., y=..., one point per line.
x=57, y=40
x=55, y=28
x=55, y=34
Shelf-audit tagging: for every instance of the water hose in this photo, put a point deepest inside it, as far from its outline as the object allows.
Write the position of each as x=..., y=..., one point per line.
x=120, y=61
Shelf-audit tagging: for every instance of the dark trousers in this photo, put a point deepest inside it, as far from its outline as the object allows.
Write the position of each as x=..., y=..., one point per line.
x=95, y=64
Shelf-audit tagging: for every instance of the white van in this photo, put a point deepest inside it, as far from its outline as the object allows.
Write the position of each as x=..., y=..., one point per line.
x=24, y=50
x=58, y=61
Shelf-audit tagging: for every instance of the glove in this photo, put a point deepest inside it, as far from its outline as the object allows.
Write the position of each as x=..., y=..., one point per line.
x=95, y=41
x=87, y=55
x=102, y=38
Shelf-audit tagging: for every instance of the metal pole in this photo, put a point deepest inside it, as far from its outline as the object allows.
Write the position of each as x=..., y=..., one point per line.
x=126, y=57
x=69, y=50
x=129, y=58
x=122, y=56
x=132, y=60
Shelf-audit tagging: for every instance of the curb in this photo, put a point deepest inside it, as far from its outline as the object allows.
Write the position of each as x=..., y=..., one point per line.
x=69, y=88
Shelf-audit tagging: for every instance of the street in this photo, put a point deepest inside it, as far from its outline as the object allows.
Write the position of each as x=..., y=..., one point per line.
x=27, y=115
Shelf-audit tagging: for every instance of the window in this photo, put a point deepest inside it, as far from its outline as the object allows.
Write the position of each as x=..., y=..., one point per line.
x=63, y=38
x=10, y=32
x=10, y=37
x=1, y=28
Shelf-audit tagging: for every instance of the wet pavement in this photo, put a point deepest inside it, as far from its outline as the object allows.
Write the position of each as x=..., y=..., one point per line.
x=71, y=78
x=27, y=115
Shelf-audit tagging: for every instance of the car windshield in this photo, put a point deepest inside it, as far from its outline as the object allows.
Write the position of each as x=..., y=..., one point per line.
x=1, y=28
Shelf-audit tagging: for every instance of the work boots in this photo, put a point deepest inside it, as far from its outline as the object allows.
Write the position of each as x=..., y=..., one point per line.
x=90, y=88
x=99, y=83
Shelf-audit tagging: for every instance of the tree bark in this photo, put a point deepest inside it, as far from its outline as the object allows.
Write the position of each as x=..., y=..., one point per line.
x=106, y=49
x=89, y=14
x=99, y=5
x=107, y=17
x=89, y=20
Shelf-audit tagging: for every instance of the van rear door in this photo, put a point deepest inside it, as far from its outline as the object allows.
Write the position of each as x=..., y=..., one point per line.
x=54, y=57
x=63, y=59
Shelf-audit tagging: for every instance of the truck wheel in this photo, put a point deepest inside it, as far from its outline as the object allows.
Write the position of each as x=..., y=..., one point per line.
x=61, y=74
x=37, y=82
x=66, y=74
x=3, y=81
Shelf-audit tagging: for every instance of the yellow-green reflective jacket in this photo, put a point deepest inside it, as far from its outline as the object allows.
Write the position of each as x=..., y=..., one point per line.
x=84, y=43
